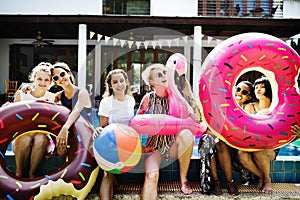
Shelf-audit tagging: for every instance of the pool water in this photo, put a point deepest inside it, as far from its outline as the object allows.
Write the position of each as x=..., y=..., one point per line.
x=291, y=149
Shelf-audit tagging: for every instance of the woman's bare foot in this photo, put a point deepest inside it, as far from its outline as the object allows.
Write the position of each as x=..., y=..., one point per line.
x=216, y=188
x=258, y=185
x=186, y=188
x=267, y=188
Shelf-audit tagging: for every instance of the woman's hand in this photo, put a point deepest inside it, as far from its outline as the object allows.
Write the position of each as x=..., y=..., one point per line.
x=62, y=137
x=97, y=132
x=296, y=130
x=62, y=141
x=5, y=104
x=26, y=89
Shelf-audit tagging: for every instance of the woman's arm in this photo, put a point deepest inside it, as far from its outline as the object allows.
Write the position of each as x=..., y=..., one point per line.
x=188, y=94
x=103, y=121
x=144, y=105
x=17, y=96
x=296, y=131
x=83, y=101
x=249, y=108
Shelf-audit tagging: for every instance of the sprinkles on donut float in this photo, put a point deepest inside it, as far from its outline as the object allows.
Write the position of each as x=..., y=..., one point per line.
x=221, y=70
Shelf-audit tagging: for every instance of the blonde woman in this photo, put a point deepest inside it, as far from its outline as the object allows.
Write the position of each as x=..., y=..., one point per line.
x=35, y=144
x=167, y=147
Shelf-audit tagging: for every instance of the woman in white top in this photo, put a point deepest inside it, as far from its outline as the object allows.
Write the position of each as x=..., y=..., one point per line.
x=35, y=144
x=117, y=106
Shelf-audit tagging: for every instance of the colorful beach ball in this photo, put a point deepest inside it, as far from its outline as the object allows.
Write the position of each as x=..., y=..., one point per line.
x=117, y=149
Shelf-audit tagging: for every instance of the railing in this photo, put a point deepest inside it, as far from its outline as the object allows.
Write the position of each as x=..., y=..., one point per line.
x=241, y=8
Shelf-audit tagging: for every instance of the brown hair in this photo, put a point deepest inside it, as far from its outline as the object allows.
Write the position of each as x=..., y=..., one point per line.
x=108, y=89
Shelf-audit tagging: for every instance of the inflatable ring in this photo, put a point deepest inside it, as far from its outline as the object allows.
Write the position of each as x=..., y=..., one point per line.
x=220, y=72
x=179, y=117
x=75, y=177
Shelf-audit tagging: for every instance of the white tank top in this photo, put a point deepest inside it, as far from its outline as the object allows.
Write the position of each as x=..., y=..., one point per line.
x=47, y=97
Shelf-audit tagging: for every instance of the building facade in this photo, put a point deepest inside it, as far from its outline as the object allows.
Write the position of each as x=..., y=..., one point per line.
x=129, y=34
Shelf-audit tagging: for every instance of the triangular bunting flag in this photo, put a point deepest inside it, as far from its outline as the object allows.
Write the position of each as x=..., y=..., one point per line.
x=169, y=43
x=176, y=41
x=99, y=36
x=185, y=39
x=122, y=42
x=154, y=43
x=209, y=39
x=138, y=44
x=130, y=43
x=115, y=40
x=91, y=34
x=106, y=39
x=146, y=43
x=218, y=41
x=160, y=42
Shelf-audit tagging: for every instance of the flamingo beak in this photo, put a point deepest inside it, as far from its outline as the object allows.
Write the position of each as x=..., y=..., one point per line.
x=179, y=80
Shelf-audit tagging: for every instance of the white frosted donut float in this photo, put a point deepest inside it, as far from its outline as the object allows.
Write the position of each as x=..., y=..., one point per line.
x=219, y=74
x=75, y=177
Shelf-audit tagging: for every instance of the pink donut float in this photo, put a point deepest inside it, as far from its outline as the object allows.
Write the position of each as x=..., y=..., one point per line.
x=75, y=177
x=220, y=72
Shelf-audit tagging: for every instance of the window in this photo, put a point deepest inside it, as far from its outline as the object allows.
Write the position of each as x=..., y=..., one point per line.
x=126, y=7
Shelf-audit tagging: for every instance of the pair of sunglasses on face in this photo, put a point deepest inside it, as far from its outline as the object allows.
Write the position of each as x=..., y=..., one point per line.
x=244, y=92
x=56, y=77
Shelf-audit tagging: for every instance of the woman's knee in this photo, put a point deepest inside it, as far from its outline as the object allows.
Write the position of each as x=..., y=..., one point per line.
x=186, y=137
x=221, y=146
x=152, y=176
x=40, y=140
x=243, y=157
x=22, y=142
x=264, y=155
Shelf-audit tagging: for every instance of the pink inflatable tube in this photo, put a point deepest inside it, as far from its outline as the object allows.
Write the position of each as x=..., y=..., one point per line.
x=221, y=70
x=180, y=111
x=160, y=124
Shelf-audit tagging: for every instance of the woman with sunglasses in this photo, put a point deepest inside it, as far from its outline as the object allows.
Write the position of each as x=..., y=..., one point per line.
x=34, y=145
x=259, y=162
x=75, y=98
x=163, y=147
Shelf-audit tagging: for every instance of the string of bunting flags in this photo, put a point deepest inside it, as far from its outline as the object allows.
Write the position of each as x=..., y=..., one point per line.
x=147, y=43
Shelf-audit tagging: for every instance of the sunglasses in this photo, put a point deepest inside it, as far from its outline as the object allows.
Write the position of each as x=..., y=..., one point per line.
x=56, y=77
x=160, y=75
x=244, y=92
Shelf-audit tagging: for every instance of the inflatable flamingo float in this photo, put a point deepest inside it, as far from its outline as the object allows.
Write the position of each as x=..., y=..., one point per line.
x=180, y=111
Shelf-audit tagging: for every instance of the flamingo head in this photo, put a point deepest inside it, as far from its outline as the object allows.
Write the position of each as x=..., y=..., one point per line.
x=177, y=63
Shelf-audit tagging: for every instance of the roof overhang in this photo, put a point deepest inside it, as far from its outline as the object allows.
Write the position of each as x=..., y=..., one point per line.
x=66, y=26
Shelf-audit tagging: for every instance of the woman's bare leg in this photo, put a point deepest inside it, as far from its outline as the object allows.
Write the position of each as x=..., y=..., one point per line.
x=184, y=144
x=21, y=148
x=39, y=146
x=247, y=161
x=152, y=163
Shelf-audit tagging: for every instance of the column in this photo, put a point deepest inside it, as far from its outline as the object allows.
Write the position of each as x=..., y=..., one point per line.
x=82, y=40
